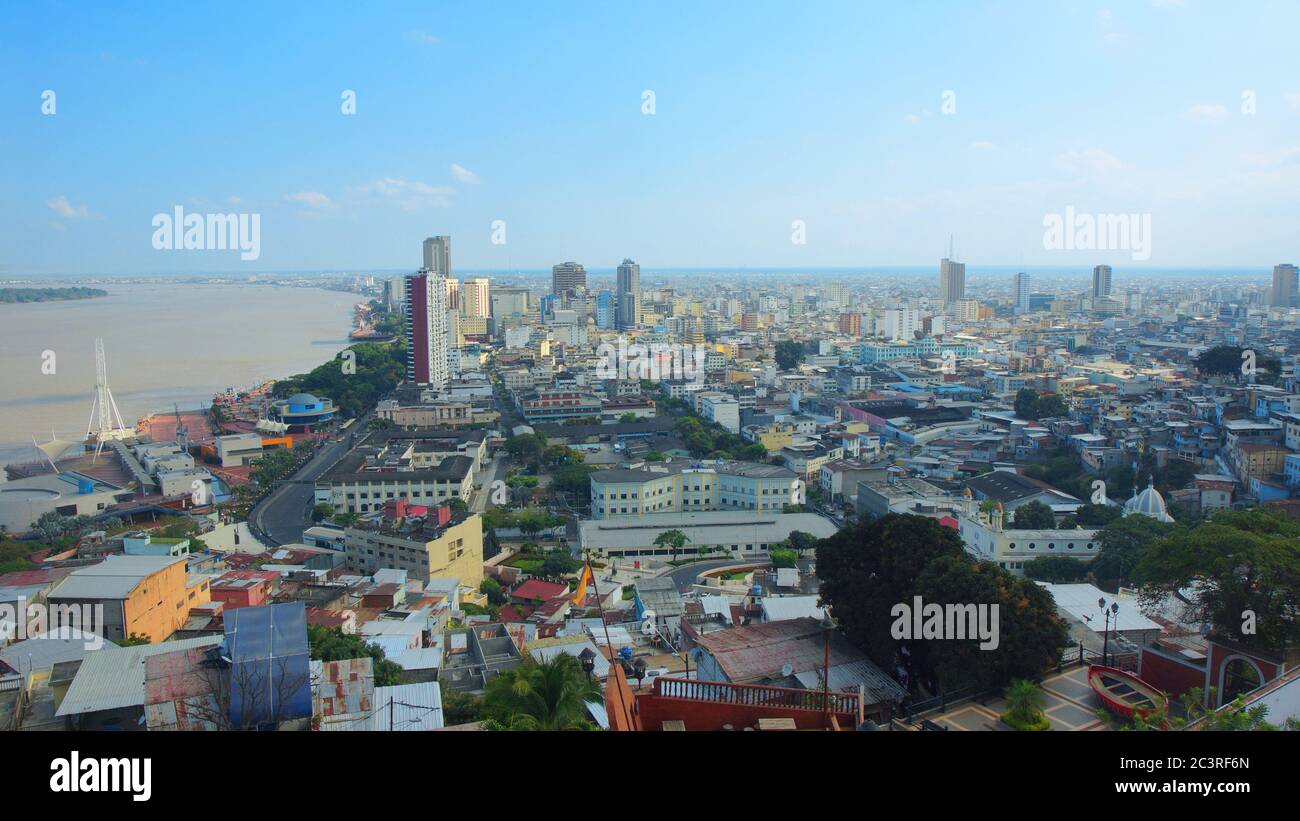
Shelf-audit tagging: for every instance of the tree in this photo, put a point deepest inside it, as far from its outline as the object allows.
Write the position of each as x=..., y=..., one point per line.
x=134, y=640
x=322, y=511
x=784, y=557
x=492, y=589
x=549, y=695
x=1033, y=516
x=332, y=644
x=1239, y=572
x=801, y=542
x=1026, y=403
x=788, y=354
x=1029, y=404
x=674, y=539
x=1056, y=569
x=1122, y=544
x=1030, y=635
x=1091, y=515
x=459, y=707
x=865, y=568
x=1025, y=706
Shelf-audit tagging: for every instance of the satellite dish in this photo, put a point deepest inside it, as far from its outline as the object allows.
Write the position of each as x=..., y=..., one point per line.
x=787, y=670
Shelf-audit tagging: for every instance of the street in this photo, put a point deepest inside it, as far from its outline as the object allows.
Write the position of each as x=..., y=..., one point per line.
x=282, y=516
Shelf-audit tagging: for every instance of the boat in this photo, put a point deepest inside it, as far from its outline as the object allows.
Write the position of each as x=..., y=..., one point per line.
x=1124, y=694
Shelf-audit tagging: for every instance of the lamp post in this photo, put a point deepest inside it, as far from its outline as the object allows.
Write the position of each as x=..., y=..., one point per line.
x=638, y=670
x=1105, y=642
x=828, y=627
x=588, y=660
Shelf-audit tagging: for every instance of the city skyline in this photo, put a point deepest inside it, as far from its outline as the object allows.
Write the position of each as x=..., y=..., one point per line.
x=861, y=162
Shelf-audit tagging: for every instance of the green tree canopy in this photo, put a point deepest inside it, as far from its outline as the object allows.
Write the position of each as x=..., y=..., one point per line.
x=549, y=695
x=1033, y=516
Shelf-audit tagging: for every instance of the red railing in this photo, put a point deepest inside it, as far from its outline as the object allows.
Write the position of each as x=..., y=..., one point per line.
x=755, y=695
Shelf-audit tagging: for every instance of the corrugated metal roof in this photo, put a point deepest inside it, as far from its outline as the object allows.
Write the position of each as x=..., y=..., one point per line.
x=110, y=680
x=846, y=678
x=408, y=707
x=41, y=652
x=781, y=608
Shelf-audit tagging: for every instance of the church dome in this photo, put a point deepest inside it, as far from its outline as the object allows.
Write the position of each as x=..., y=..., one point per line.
x=1148, y=503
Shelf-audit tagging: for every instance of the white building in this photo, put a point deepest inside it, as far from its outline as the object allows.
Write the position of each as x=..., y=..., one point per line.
x=986, y=539
x=685, y=486
x=721, y=408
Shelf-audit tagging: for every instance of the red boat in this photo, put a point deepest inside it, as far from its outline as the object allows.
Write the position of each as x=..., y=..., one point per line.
x=1124, y=694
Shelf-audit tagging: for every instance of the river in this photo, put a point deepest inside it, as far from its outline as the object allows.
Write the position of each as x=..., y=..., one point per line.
x=165, y=344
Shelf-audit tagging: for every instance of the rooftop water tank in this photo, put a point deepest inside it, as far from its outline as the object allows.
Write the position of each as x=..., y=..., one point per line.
x=85, y=486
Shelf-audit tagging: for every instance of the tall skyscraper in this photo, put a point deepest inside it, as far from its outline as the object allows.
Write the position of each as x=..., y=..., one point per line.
x=426, y=329
x=952, y=278
x=453, y=294
x=628, y=291
x=1101, y=282
x=567, y=277
x=1022, y=293
x=1285, y=282
x=952, y=281
x=474, y=298
x=437, y=256
x=605, y=309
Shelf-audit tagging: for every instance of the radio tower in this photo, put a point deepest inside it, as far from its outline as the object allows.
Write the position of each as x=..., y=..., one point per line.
x=103, y=410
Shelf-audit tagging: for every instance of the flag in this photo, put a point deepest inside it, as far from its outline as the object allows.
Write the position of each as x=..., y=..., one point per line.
x=580, y=595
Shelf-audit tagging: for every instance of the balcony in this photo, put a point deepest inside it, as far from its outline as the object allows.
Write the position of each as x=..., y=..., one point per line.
x=681, y=704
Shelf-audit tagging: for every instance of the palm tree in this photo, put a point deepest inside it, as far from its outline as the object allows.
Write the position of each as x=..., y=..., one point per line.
x=1024, y=702
x=546, y=695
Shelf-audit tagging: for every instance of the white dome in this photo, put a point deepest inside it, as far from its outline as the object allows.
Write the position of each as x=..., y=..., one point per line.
x=1148, y=503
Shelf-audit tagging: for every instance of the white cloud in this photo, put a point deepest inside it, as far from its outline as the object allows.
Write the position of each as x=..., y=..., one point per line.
x=1095, y=160
x=67, y=210
x=232, y=200
x=423, y=37
x=911, y=119
x=983, y=145
x=411, y=195
x=1273, y=159
x=1207, y=113
x=463, y=174
x=311, y=199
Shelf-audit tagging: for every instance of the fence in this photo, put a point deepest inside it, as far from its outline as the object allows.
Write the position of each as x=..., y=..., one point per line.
x=756, y=695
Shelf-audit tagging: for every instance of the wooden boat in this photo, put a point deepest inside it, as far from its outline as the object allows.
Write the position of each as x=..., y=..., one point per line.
x=1124, y=694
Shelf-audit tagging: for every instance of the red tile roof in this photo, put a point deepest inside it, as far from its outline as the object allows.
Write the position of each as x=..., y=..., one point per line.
x=538, y=589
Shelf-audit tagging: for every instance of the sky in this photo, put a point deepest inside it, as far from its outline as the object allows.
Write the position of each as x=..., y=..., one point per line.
x=727, y=134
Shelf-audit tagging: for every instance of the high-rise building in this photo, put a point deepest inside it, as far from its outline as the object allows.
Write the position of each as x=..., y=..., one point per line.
x=509, y=303
x=628, y=291
x=1285, y=282
x=851, y=324
x=952, y=281
x=453, y=294
x=899, y=323
x=426, y=329
x=605, y=309
x=474, y=298
x=1101, y=282
x=567, y=277
x=437, y=256
x=1022, y=293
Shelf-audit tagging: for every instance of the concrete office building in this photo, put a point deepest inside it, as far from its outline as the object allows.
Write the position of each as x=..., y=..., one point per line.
x=628, y=291
x=691, y=486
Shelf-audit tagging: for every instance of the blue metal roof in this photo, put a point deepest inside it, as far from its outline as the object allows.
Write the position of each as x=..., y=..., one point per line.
x=270, y=669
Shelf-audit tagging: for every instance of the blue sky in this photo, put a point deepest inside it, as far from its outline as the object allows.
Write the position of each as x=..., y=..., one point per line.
x=765, y=113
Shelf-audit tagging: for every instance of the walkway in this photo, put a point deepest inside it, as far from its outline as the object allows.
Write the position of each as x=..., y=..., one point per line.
x=1068, y=702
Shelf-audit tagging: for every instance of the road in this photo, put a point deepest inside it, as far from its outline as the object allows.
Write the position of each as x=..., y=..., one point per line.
x=484, y=480
x=684, y=577
x=282, y=516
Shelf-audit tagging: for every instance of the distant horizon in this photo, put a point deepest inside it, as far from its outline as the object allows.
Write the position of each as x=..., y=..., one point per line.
x=971, y=268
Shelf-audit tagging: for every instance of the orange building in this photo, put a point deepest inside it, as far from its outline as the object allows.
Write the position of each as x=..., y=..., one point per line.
x=148, y=596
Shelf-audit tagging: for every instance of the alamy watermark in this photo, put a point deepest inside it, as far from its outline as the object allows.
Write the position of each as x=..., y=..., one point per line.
x=1073, y=231
x=24, y=619
x=951, y=622
x=180, y=231
x=656, y=362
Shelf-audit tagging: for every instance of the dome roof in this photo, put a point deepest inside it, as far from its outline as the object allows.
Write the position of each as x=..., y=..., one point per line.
x=302, y=399
x=1148, y=503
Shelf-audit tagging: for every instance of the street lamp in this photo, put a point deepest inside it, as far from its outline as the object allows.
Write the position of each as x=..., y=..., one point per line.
x=588, y=659
x=1105, y=642
x=828, y=627
x=638, y=670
